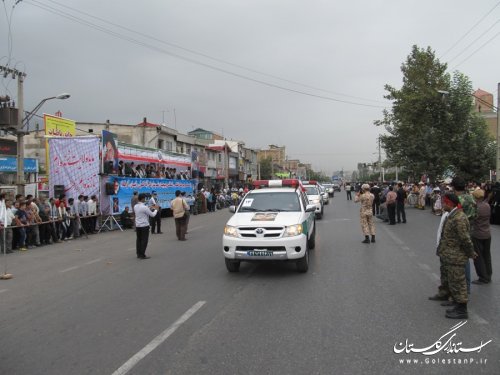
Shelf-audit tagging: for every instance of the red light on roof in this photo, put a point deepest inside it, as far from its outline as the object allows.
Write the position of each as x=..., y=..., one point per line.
x=290, y=182
x=310, y=182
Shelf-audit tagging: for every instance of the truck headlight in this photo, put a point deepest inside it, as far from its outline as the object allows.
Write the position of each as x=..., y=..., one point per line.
x=293, y=230
x=230, y=231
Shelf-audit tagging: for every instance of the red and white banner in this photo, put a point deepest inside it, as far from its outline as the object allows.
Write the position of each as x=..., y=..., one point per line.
x=74, y=163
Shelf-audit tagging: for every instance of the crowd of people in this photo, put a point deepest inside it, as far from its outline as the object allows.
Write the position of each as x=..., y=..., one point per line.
x=29, y=222
x=466, y=211
x=125, y=169
x=423, y=196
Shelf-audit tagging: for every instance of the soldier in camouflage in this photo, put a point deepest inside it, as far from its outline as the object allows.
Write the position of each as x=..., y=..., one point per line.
x=366, y=215
x=455, y=248
x=469, y=208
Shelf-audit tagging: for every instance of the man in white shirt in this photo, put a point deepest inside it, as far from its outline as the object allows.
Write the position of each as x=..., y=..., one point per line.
x=6, y=217
x=155, y=221
x=142, y=214
x=92, y=211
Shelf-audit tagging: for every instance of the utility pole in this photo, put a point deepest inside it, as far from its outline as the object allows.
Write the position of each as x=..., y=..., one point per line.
x=20, y=132
x=380, y=160
x=226, y=163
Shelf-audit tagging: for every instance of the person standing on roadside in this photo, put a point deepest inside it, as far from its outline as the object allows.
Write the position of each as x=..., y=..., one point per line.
x=365, y=213
x=375, y=190
x=142, y=214
x=187, y=211
x=391, y=205
x=469, y=208
x=481, y=238
x=179, y=208
x=155, y=221
x=400, y=203
x=134, y=200
x=6, y=218
x=455, y=248
x=348, y=191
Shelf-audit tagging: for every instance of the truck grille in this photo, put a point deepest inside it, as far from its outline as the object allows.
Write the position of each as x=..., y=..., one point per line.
x=261, y=232
x=268, y=248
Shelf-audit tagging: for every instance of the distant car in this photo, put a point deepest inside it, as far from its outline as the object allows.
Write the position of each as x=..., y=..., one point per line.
x=324, y=194
x=329, y=189
x=314, y=196
x=336, y=186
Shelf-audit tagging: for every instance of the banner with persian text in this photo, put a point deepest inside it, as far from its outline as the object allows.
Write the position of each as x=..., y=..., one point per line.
x=74, y=163
x=57, y=127
x=124, y=187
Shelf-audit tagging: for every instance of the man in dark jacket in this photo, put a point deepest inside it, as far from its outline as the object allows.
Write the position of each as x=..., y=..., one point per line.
x=375, y=190
x=400, y=203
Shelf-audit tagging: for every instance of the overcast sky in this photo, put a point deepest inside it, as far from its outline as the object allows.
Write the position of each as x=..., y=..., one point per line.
x=261, y=71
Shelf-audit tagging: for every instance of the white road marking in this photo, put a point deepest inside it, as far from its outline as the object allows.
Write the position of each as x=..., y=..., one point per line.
x=131, y=249
x=76, y=267
x=393, y=236
x=195, y=228
x=477, y=319
x=3, y=290
x=435, y=275
x=93, y=261
x=158, y=340
x=424, y=266
x=405, y=248
x=70, y=269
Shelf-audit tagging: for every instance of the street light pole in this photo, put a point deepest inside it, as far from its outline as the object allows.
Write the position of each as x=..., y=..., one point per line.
x=20, y=136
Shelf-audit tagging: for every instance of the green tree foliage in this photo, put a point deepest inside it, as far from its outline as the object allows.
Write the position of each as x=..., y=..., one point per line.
x=266, y=168
x=431, y=127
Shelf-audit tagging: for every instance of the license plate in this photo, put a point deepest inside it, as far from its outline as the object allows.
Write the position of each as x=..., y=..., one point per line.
x=260, y=253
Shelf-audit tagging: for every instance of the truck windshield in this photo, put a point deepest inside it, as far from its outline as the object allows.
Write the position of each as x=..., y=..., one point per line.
x=279, y=202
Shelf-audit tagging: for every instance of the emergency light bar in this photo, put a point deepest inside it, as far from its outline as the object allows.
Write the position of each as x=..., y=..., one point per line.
x=293, y=183
x=310, y=182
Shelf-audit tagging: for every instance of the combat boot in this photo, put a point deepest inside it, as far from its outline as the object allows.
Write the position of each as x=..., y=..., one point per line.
x=452, y=308
x=460, y=312
x=367, y=239
x=373, y=238
x=439, y=297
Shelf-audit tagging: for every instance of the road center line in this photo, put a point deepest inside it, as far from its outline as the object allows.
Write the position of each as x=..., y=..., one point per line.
x=93, y=261
x=195, y=228
x=3, y=290
x=158, y=340
x=424, y=266
x=70, y=269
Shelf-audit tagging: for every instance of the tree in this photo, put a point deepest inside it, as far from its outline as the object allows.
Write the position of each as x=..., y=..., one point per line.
x=266, y=168
x=473, y=154
x=431, y=126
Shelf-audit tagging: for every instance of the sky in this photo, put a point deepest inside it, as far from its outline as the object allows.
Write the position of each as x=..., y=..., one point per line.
x=308, y=75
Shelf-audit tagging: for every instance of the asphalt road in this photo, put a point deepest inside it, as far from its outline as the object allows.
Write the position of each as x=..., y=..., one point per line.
x=90, y=307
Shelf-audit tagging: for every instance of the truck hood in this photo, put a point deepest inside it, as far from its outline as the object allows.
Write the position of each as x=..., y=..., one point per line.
x=259, y=219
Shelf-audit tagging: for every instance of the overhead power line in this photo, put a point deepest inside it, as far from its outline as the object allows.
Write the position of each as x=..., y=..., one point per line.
x=477, y=50
x=105, y=30
x=474, y=41
x=472, y=28
x=210, y=57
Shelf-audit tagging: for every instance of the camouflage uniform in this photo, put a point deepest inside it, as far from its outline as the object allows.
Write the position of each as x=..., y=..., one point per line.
x=469, y=207
x=455, y=248
x=366, y=213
